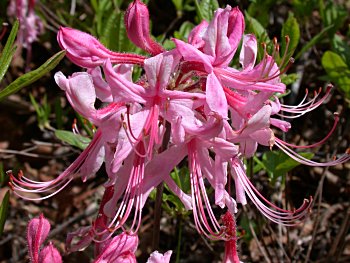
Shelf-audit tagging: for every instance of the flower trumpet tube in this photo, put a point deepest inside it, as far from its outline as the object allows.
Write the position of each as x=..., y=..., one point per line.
x=86, y=51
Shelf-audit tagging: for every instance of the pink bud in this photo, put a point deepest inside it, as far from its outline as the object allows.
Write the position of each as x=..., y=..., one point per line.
x=50, y=254
x=86, y=51
x=37, y=231
x=231, y=255
x=137, y=26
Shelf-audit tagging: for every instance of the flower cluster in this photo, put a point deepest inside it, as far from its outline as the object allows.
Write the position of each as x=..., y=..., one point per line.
x=31, y=26
x=189, y=104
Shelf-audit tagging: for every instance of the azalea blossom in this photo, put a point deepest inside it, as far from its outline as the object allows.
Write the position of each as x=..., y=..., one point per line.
x=190, y=106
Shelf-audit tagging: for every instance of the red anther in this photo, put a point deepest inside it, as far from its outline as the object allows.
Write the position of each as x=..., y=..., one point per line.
x=334, y=158
x=287, y=38
x=111, y=229
x=319, y=90
x=20, y=174
x=11, y=186
x=278, y=48
x=347, y=151
x=274, y=41
x=307, y=91
x=3, y=30
x=315, y=93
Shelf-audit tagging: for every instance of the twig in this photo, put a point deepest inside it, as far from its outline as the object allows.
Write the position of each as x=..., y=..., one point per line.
x=339, y=242
x=159, y=195
x=261, y=249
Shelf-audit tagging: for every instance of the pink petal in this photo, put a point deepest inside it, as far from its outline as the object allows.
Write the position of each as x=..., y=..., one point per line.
x=220, y=181
x=283, y=125
x=120, y=249
x=158, y=70
x=215, y=96
x=122, y=89
x=248, y=147
x=79, y=239
x=190, y=53
x=195, y=38
x=103, y=91
x=160, y=168
x=216, y=40
x=263, y=137
x=240, y=193
x=259, y=121
x=80, y=92
x=249, y=51
x=235, y=28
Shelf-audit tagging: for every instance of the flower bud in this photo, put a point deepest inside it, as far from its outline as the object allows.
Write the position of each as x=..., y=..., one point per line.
x=137, y=26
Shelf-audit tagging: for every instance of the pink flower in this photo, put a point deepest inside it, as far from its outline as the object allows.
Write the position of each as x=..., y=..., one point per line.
x=37, y=231
x=119, y=249
x=215, y=50
x=157, y=257
x=31, y=25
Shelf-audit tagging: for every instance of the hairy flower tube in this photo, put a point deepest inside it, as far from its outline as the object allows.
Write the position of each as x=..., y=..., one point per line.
x=190, y=106
x=37, y=231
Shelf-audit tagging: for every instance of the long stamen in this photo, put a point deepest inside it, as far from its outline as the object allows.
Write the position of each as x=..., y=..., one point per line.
x=342, y=159
x=336, y=120
x=212, y=228
x=279, y=216
x=25, y=185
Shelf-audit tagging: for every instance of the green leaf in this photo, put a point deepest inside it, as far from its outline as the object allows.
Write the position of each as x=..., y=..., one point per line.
x=72, y=139
x=2, y=174
x=8, y=51
x=290, y=78
x=291, y=29
x=334, y=14
x=253, y=26
x=4, y=211
x=313, y=41
x=337, y=71
x=277, y=163
x=342, y=48
x=260, y=10
x=184, y=31
x=32, y=76
x=205, y=9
